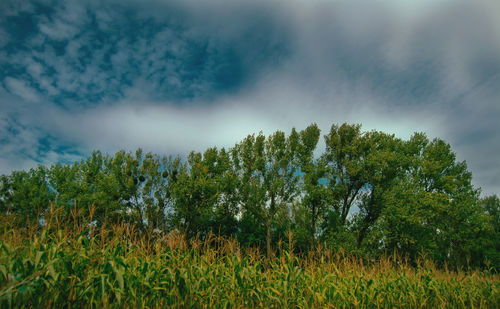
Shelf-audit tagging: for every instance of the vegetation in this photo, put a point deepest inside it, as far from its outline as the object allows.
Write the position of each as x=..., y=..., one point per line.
x=369, y=195
x=75, y=265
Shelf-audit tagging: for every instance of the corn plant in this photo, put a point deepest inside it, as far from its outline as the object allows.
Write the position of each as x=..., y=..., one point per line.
x=119, y=267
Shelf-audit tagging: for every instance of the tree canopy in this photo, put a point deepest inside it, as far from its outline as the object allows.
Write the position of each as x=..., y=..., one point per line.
x=369, y=192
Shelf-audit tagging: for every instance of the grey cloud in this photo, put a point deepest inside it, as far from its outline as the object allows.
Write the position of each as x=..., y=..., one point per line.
x=172, y=76
x=174, y=129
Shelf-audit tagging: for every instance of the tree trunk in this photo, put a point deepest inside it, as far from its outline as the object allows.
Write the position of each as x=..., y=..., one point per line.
x=361, y=236
x=269, y=223
x=371, y=217
x=345, y=210
x=347, y=205
x=313, y=226
x=268, y=239
x=186, y=230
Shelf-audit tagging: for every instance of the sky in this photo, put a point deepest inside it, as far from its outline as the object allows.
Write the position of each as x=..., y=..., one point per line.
x=175, y=76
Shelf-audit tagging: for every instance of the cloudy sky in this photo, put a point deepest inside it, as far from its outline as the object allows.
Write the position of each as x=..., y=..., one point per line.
x=175, y=76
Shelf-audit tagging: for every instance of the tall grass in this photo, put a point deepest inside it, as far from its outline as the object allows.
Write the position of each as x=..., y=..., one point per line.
x=69, y=263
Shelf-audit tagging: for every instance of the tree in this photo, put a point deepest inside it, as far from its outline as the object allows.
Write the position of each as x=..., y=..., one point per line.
x=63, y=181
x=196, y=192
x=384, y=167
x=434, y=209
x=26, y=194
x=105, y=184
x=5, y=192
x=491, y=206
x=155, y=189
x=316, y=196
x=268, y=176
x=490, y=242
x=226, y=208
x=115, y=186
x=345, y=154
x=369, y=191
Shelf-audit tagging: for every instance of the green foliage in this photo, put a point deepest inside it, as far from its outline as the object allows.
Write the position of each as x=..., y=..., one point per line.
x=369, y=193
x=268, y=176
x=488, y=246
x=316, y=196
x=198, y=191
x=384, y=168
x=26, y=194
x=346, y=149
x=434, y=210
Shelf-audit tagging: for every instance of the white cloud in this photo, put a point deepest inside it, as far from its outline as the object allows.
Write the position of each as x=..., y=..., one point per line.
x=21, y=89
x=58, y=30
x=67, y=22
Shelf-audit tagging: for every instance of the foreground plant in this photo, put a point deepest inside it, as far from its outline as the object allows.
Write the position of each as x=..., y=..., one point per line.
x=71, y=265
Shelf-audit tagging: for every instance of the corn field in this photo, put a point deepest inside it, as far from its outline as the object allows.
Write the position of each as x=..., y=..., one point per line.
x=72, y=265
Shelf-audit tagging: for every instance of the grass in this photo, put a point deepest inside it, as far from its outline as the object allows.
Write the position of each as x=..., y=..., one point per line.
x=69, y=265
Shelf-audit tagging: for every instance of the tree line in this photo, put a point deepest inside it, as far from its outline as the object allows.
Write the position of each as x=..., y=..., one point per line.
x=368, y=193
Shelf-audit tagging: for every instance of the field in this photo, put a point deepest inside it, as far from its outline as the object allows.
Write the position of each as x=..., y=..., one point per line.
x=64, y=264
